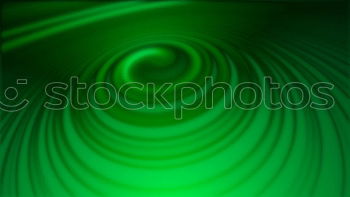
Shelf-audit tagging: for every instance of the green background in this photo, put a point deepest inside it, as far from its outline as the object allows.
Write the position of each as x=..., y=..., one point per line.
x=214, y=152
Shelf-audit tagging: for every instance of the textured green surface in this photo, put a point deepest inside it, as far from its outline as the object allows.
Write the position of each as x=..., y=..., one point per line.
x=214, y=152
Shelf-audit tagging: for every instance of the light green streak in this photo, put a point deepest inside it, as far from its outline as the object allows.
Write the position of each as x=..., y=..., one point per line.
x=26, y=39
x=61, y=19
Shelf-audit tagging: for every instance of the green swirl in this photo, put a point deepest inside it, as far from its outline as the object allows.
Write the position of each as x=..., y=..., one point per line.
x=216, y=152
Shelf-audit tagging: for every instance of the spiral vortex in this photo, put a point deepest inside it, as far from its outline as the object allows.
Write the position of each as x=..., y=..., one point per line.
x=146, y=152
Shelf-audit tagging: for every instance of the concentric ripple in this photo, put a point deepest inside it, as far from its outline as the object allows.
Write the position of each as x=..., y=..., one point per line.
x=147, y=152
